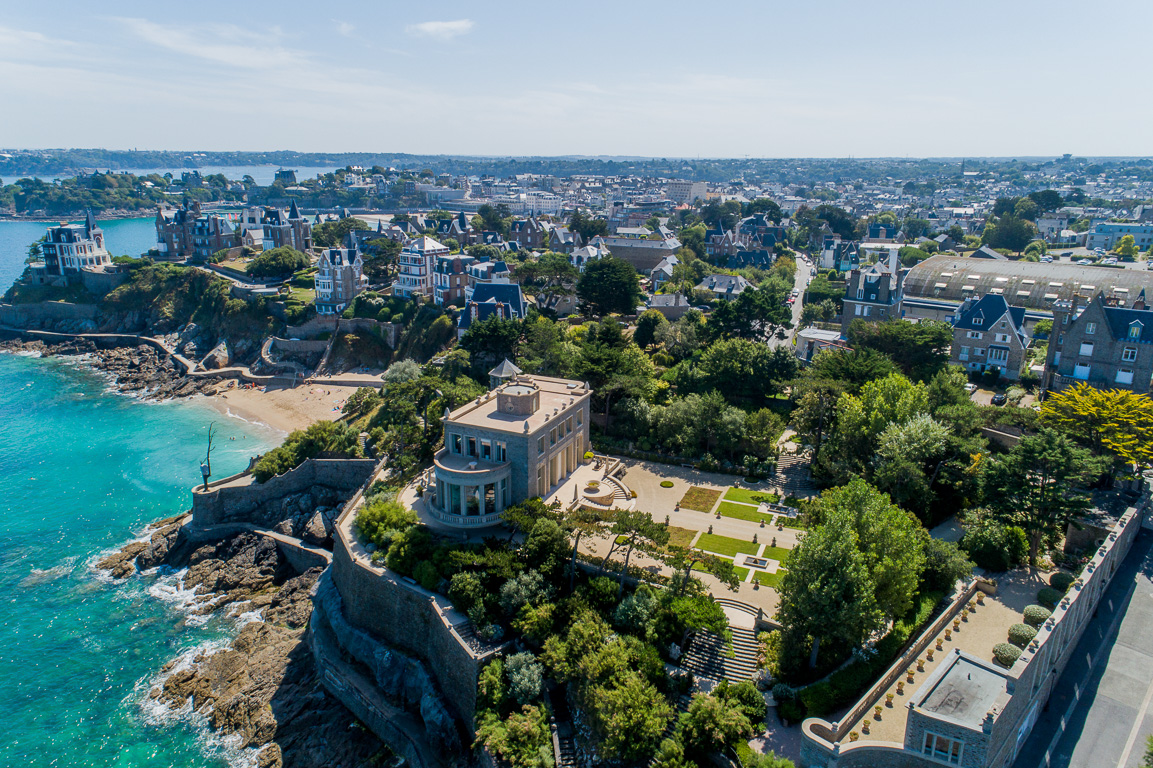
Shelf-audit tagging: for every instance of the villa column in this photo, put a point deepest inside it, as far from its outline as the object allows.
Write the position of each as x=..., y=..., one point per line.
x=462, y=510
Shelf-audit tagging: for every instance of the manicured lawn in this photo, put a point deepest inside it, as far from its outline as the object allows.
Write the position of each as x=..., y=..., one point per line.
x=769, y=579
x=742, y=573
x=751, y=497
x=700, y=499
x=743, y=512
x=776, y=553
x=680, y=537
x=790, y=522
x=723, y=545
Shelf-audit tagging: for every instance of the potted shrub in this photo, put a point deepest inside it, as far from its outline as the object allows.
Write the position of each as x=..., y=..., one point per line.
x=901, y=687
x=865, y=726
x=853, y=736
x=964, y=614
x=877, y=711
x=888, y=699
x=957, y=625
x=948, y=634
x=909, y=675
x=929, y=653
x=921, y=664
x=940, y=644
x=980, y=597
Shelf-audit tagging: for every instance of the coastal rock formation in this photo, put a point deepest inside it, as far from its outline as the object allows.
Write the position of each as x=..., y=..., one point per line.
x=141, y=370
x=264, y=686
x=144, y=554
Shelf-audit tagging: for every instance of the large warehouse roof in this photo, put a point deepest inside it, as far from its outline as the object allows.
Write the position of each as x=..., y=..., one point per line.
x=1027, y=284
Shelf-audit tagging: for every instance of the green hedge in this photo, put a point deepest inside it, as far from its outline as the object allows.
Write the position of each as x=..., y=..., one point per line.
x=1006, y=654
x=1021, y=634
x=1035, y=615
x=1062, y=580
x=1049, y=597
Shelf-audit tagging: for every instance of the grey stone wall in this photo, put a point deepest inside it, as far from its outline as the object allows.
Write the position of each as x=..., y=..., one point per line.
x=21, y=315
x=225, y=502
x=404, y=616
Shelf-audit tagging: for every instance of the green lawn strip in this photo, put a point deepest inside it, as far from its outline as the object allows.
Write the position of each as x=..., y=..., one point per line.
x=742, y=573
x=743, y=512
x=748, y=496
x=776, y=553
x=700, y=499
x=769, y=579
x=723, y=545
x=790, y=522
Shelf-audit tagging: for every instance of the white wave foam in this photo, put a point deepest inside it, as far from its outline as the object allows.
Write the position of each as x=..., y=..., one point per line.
x=158, y=714
x=43, y=575
x=169, y=589
x=29, y=353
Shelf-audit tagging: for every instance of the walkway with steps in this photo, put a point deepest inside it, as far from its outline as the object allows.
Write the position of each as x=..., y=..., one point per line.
x=792, y=475
x=709, y=657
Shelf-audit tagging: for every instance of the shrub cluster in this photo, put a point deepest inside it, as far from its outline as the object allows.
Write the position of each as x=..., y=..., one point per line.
x=1005, y=654
x=1049, y=597
x=1021, y=634
x=1061, y=581
x=1035, y=615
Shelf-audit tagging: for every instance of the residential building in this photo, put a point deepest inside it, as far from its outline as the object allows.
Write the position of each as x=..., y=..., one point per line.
x=450, y=278
x=416, y=264
x=663, y=272
x=643, y=251
x=727, y=287
x=505, y=300
x=671, y=305
x=522, y=439
x=580, y=257
x=286, y=229
x=686, y=192
x=838, y=254
x=1103, y=343
x=528, y=233
x=812, y=340
x=989, y=335
x=186, y=233
x=485, y=271
x=339, y=278
x=68, y=248
x=872, y=294
x=1108, y=233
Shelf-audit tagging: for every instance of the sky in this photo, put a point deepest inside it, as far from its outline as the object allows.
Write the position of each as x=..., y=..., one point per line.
x=759, y=78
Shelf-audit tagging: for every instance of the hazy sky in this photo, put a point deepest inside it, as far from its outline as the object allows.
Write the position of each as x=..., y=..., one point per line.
x=732, y=78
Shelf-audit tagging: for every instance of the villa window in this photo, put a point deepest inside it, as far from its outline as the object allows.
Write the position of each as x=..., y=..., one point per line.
x=1124, y=376
x=486, y=450
x=580, y=417
x=1086, y=350
x=1090, y=329
x=552, y=437
x=1129, y=354
x=977, y=321
x=943, y=748
x=540, y=444
x=456, y=444
x=1135, y=331
x=501, y=454
x=472, y=446
x=568, y=426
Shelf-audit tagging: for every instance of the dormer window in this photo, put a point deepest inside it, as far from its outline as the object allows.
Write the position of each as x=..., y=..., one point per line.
x=1135, y=329
x=978, y=321
x=1090, y=329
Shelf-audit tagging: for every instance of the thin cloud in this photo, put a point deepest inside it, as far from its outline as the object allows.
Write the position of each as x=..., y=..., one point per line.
x=225, y=44
x=345, y=28
x=440, y=30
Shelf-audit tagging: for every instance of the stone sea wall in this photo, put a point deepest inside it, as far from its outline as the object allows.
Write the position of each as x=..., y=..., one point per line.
x=237, y=499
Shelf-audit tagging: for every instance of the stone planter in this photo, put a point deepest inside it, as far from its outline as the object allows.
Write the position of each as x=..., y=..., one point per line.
x=888, y=699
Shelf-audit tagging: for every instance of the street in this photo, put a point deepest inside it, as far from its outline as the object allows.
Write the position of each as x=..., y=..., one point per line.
x=1099, y=714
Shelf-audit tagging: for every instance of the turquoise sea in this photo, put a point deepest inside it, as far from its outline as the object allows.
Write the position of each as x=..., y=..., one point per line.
x=84, y=471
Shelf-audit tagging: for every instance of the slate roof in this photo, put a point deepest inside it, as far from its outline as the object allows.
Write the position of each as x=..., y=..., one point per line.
x=505, y=293
x=1120, y=318
x=506, y=370
x=729, y=284
x=989, y=309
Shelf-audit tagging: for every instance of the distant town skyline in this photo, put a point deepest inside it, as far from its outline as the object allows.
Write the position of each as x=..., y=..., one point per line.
x=608, y=79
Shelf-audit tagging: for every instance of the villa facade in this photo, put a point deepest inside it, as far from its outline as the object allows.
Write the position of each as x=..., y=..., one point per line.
x=522, y=439
x=69, y=248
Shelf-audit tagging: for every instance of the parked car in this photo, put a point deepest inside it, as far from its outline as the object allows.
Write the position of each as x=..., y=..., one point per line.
x=1046, y=259
x=999, y=399
x=1110, y=261
x=1084, y=262
x=970, y=388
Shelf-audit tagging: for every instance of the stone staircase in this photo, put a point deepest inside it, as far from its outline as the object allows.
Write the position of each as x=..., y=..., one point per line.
x=708, y=657
x=792, y=475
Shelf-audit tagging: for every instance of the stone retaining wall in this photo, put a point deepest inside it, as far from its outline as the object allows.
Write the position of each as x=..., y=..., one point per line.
x=229, y=501
x=20, y=315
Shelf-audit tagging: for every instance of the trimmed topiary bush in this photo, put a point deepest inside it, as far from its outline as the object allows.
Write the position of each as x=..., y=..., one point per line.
x=1049, y=597
x=1005, y=654
x=1021, y=634
x=784, y=692
x=1035, y=615
x=1061, y=581
x=666, y=483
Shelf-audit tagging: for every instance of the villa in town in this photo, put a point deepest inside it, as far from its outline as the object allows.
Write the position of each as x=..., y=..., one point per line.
x=522, y=439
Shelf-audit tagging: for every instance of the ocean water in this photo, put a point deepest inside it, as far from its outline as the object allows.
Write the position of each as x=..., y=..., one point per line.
x=84, y=471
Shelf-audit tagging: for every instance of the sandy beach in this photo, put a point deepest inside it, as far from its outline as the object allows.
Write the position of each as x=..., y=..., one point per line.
x=284, y=409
